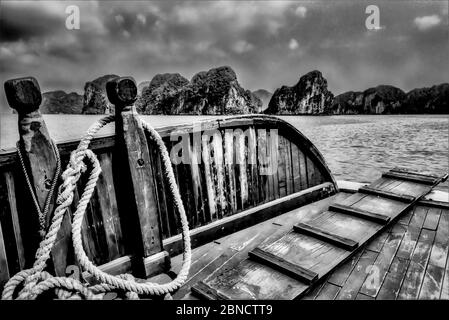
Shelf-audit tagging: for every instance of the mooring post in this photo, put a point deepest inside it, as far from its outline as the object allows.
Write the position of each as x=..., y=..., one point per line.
x=40, y=161
x=135, y=179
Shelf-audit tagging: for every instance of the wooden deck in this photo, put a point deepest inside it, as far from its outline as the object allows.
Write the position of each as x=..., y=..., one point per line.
x=407, y=261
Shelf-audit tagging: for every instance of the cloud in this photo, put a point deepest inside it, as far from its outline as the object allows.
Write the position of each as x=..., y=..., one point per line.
x=301, y=11
x=427, y=22
x=242, y=46
x=267, y=43
x=293, y=44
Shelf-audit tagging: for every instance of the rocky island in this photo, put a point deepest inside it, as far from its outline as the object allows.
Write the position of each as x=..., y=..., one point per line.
x=217, y=91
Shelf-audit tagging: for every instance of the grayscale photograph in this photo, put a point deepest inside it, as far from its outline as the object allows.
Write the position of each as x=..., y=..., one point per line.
x=247, y=151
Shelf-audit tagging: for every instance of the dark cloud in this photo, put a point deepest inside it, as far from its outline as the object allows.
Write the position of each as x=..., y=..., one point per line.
x=22, y=21
x=268, y=43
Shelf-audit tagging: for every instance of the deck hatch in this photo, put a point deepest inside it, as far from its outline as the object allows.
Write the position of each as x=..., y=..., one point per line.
x=379, y=218
x=295, y=271
x=318, y=233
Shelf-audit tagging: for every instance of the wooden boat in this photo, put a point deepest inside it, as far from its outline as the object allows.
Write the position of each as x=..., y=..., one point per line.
x=291, y=232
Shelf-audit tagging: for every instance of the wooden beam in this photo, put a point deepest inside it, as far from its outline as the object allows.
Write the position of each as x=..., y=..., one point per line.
x=152, y=264
x=409, y=177
x=386, y=194
x=417, y=174
x=40, y=159
x=203, y=291
x=379, y=218
x=136, y=193
x=318, y=233
x=288, y=268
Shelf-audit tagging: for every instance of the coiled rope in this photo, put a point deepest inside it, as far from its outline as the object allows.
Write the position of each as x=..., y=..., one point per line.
x=37, y=281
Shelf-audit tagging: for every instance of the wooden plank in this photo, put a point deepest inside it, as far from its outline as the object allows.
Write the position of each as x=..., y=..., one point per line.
x=229, y=160
x=272, y=153
x=341, y=274
x=408, y=242
x=342, y=242
x=313, y=174
x=290, y=269
x=4, y=269
x=434, y=203
x=409, y=177
x=419, y=216
x=181, y=163
x=295, y=167
x=386, y=194
x=251, y=168
x=204, y=291
x=357, y=277
x=303, y=169
x=377, y=243
x=282, y=167
x=379, y=218
x=329, y=292
x=241, y=163
x=405, y=219
x=445, y=289
x=163, y=203
x=209, y=177
x=289, y=167
x=440, y=248
x=412, y=173
x=381, y=265
x=105, y=192
x=416, y=270
x=262, y=164
x=432, y=219
x=11, y=193
x=393, y=281
x=218, y=174
x=313, y=293
x=432, y=283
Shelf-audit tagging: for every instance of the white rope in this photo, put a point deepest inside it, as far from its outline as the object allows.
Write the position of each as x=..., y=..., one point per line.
x=36, y=280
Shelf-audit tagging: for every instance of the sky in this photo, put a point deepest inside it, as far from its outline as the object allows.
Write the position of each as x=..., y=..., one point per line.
x=267, y=43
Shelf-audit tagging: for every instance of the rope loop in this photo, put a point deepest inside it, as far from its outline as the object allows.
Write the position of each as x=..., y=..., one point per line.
x=36, y=281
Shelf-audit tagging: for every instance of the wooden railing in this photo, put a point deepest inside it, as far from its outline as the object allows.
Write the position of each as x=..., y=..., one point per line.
x=231, y=172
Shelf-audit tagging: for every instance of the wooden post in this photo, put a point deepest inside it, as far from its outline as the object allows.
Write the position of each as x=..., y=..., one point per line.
x=136, y=182
x=24, y=96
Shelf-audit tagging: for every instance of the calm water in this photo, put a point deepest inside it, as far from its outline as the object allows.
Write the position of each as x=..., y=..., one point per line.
x=356, y=148
x=359, y=148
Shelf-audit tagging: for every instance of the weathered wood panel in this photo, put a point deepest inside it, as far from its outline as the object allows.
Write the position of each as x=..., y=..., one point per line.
x=107, y=206
x=4, y=270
